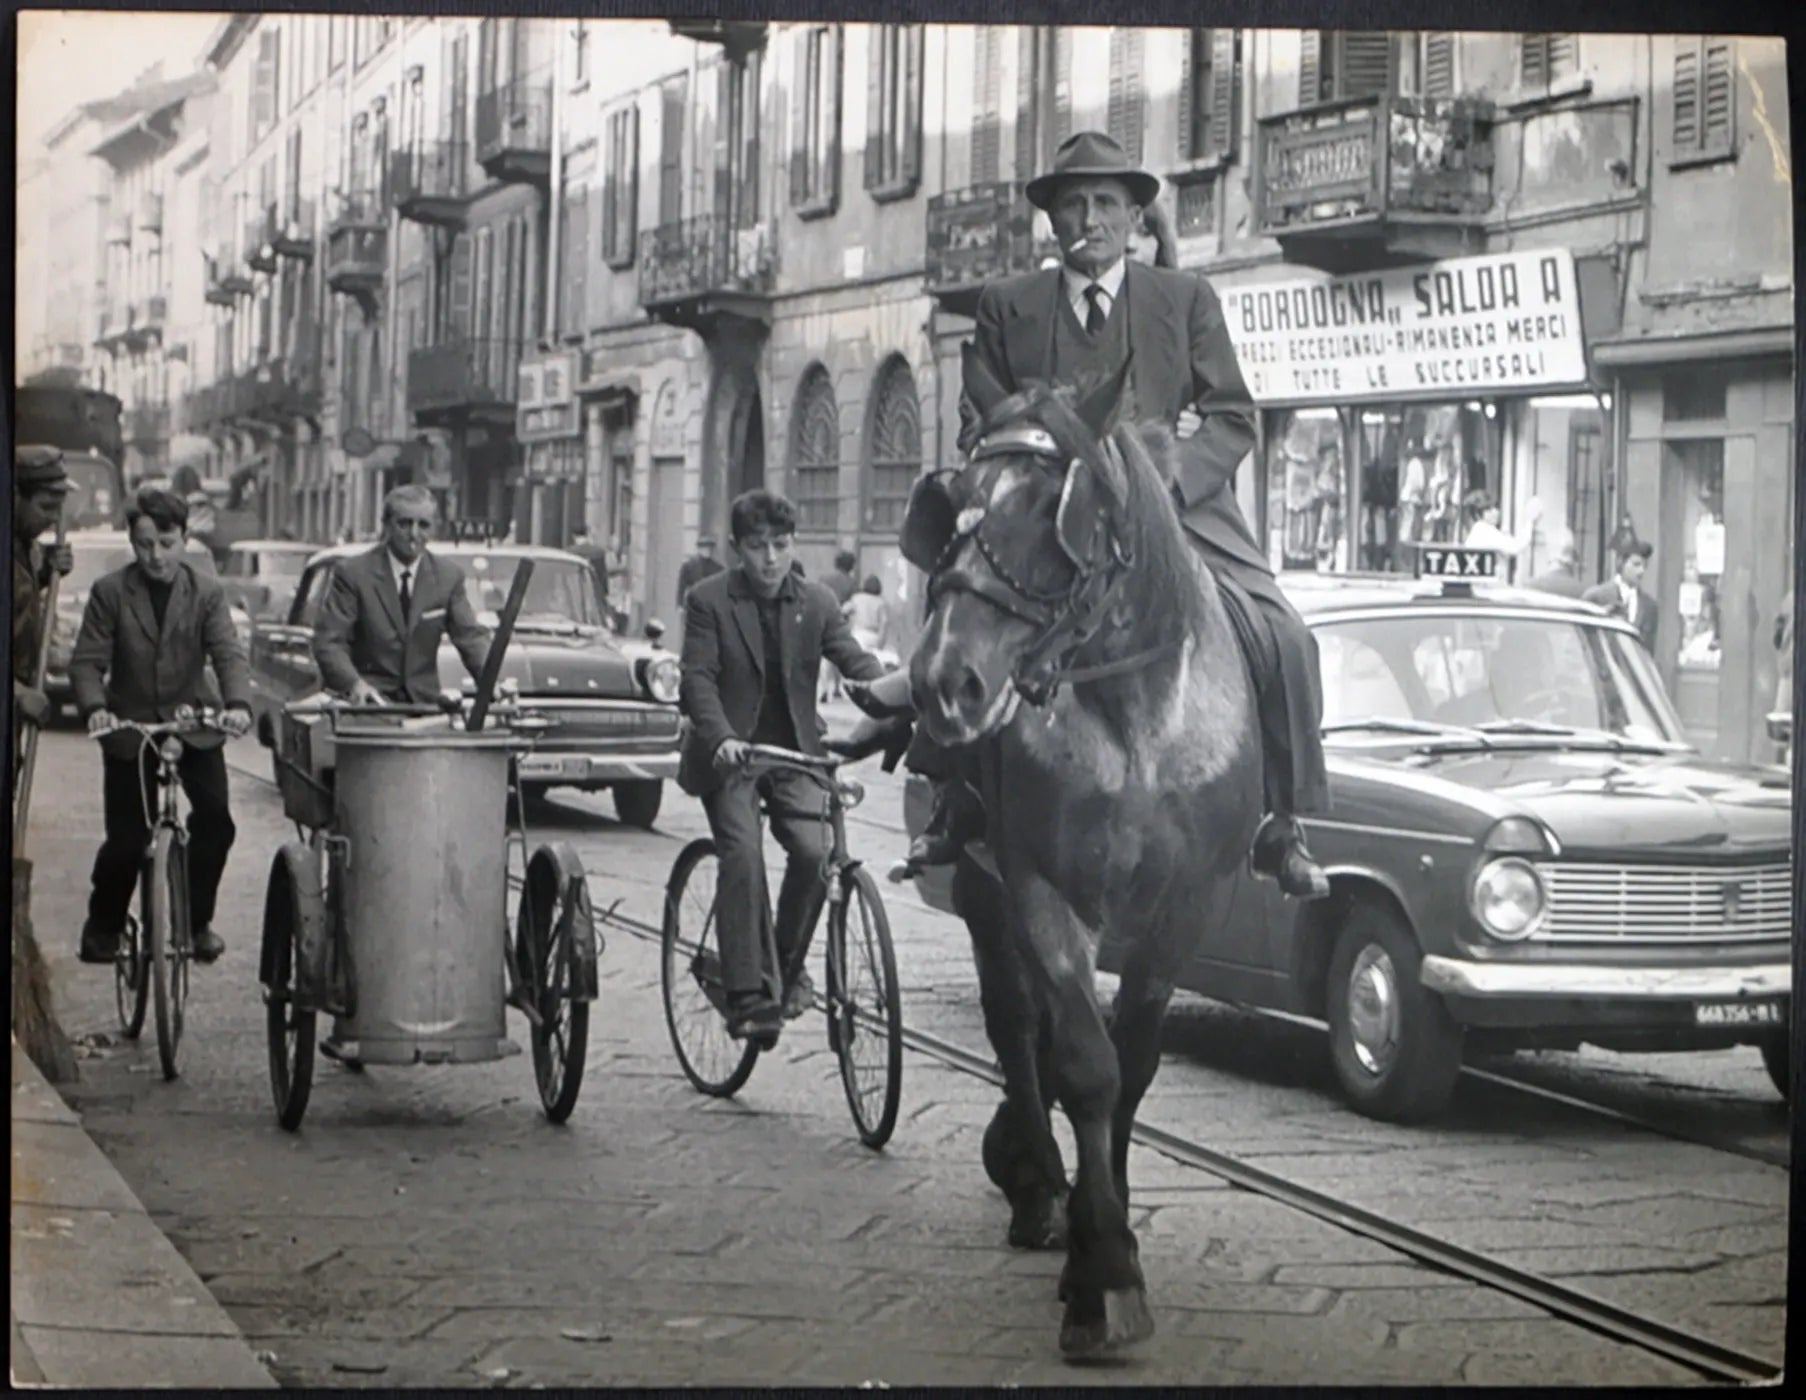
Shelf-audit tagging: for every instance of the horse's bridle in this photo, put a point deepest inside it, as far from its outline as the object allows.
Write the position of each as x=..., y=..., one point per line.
x=1068, y=618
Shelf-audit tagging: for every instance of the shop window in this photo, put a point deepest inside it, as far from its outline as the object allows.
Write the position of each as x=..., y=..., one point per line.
x=893, y=112
x=1698, y=496
x=896, y=451
x=1705, y=99
x=1696, y=395
x=815, y=453
x=1306, y=492
x=815, y=122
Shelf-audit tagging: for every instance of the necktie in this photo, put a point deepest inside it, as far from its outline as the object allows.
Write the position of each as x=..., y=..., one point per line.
x=1094, y=314
x=407, y=592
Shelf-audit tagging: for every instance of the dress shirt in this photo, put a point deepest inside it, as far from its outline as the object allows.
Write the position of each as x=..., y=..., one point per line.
x=1109, y=281
x=397, y=569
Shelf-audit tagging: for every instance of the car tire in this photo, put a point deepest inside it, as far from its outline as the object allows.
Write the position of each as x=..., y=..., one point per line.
x=1395, y=1049
x=637, y=803
x=1775, y=1053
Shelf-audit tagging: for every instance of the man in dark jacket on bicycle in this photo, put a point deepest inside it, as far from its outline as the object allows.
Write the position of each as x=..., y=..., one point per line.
x=754, y=638
x=147, y=635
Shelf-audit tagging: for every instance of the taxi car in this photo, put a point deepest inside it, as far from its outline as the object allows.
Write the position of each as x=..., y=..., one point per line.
x=1524, y=851
x=613, y=702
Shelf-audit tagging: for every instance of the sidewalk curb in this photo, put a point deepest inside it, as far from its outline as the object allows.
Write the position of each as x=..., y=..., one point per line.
x=100, y=1298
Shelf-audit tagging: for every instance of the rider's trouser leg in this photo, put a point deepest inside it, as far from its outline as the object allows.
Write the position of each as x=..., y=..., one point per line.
x=802, y=892
x=1289, y=695
x=740, y=892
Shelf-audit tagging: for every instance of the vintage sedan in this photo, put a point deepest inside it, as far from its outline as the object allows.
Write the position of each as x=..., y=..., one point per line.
x=260, y=575
x=1524, y=851
x=613, y=702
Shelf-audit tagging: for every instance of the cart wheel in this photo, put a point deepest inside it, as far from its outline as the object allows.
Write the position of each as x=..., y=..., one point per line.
x=131, y=978
x=549, y=963
x=695, y=1001
x=865, y=1011
x=166, y=942
x=293, y=898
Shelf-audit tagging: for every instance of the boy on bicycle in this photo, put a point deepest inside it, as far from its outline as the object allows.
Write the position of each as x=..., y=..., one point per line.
x=754, y=639
x=146, y=637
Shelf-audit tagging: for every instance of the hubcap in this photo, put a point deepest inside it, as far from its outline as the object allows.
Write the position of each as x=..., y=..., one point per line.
x=1373, y=1010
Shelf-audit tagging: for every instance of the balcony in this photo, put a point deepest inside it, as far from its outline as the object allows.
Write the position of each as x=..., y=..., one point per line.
x=473, y=380
x=357, y=247
x=147, y=425
x=514, y=131
x=1375, y=181
x=737, y=37
x=260, y=254
x=150, y=212
x=149, y=316
x=202, y=408
x=695, y=272
x=431, y=182
x=115, y=326
x=978, y=233
x=291, y=232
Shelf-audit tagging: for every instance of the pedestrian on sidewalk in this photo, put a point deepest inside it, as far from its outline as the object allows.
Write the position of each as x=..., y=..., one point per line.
x=146, y=637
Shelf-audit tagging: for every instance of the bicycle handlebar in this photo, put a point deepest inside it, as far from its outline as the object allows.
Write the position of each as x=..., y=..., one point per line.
x=773, y=756
x=200, y=722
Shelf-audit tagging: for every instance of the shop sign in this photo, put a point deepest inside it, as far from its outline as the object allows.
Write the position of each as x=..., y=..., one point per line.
x=1499, y=324
x=667, y=423
x=546, y=403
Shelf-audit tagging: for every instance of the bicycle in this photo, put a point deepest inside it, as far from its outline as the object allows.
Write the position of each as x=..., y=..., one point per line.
x=864, y=1009
x=153, y=957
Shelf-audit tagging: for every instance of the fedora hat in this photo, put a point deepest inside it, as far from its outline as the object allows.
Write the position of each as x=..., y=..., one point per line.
x=1091, y=154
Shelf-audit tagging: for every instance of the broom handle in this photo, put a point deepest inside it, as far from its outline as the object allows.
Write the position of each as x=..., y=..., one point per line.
x=28, y=738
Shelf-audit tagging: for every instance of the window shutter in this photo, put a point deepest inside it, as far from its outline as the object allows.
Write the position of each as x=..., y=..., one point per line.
x=1718, y=100
x=459, y=326
x=1564, y=55
x=674, y=97
x=1365, y=69
x=879, y=41
x=1686, y=96
x=832, y=75
x=1126, y=111
x=1310, y=67
x=1188, y=67
x=263, y=97
x=1439, y=64
x=914, y=39
x=1062, y=84
x=1224, y=107
x=799, y=117
x=1028, y=52
x=722, y=149
x=576, y=263
x=987, y=100
x=627, y=213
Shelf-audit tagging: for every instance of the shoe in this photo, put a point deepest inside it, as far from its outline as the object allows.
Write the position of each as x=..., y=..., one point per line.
x=1280, y=852
x=205, y=945
x=757, y=1018
x=332, y=1050
x=799, y=996
x=98, y=947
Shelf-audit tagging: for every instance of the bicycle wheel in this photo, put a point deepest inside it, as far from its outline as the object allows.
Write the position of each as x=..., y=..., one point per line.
x=166, y=942
x=549, y=964
x=293, y=898
x=864, y=1008
x=695, y=1000
x=131, y=980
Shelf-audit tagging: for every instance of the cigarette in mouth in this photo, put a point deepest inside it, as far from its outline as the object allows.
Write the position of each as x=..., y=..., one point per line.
x=1077, y=244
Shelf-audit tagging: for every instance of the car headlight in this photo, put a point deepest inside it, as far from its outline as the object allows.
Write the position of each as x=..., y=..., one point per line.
x=662, y=676
x=1508, y=898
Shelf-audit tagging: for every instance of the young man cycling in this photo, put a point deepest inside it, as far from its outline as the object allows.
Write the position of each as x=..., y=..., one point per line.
x=146, y=638
x=754, y=639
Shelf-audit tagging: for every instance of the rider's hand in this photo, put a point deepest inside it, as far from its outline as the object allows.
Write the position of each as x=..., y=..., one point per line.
x=236, y=721
x=59, y=558
x=732, y=754
x=32, y=704
x=1189, y=422
x=363, y=693
x=102, y=722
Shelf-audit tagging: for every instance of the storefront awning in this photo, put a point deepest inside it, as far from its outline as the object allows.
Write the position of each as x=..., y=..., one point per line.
x=1670, y=349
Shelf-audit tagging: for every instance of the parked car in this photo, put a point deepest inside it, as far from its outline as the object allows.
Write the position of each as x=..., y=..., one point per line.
x=614, y=703
x=98, y=553
x=260, y=575
x=1524, y=852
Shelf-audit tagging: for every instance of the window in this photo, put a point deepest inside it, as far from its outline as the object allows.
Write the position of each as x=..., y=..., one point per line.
x=580, y=55
x=1209, y=95
x=1436, y=64
x=815, y=453
x=1337, y=63
x=987, y=105
x=674, y=98
x=893, y=111
x=620, y=186
x=1043, y=96
x=1705, y=99
x=264, y=90
x=1544, y=60
x=815, y=123
x=896, y=446
x=573, y=280
x=1126, y=114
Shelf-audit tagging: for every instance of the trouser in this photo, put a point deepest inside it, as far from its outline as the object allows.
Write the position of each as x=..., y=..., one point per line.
x=126, y=784
x=754, y=946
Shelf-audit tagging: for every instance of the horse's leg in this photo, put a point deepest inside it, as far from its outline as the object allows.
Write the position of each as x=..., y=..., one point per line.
x=1106, y=1298
x=1021, y=1155
x=1135, y=1021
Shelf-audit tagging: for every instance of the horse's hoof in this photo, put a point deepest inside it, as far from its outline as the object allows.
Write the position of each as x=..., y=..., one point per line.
x=1126, y=1320
x=1037, y=1232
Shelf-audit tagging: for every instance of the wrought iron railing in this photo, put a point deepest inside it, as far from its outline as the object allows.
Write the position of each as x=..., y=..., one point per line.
x=429, y=171
x=704, y=254
x=475, y=371
x=517, y=117
x=981, y=232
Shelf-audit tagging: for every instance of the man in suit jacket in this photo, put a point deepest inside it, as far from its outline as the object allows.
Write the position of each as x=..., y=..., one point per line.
x=755, y=636
x=1075, y=325
x=1623, y=595
x=381, y=623
x=146, y=638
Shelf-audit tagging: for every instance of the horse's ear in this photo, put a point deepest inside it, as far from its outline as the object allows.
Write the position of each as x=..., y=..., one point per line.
x=1098, y=408
x=981, y=386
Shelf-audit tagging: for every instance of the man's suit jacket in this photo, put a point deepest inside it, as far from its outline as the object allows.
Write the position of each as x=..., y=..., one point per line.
x=724, y=666
x=1607, y=596
x=361, y=631
x=125, y=662
x=1182, y=358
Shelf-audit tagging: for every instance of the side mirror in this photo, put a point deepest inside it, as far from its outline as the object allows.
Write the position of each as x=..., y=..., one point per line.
x=655, y=630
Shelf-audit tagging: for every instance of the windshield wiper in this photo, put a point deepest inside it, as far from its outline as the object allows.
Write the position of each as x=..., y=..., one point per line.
x=1523, y=726
x=1429, y=728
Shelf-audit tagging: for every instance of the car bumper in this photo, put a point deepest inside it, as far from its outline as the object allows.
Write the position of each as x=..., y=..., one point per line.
x=598, y=768
x=1569, y=981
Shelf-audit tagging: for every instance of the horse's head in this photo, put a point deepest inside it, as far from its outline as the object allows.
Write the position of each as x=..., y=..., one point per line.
x=1023, y=547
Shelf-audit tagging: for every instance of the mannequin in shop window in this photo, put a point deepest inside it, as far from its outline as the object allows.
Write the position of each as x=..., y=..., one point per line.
x=1442, y=509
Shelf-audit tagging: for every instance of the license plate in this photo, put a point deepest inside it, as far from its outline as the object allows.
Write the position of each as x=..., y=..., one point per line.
x=573, y=767
x=1737, y=1013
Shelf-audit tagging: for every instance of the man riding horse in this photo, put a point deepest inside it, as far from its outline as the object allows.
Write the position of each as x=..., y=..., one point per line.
x=1076, y=325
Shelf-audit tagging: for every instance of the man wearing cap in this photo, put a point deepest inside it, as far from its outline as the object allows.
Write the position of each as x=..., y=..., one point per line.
x=700, y=565
x=39, y=485
x=1075, y=325
x=1623, y=595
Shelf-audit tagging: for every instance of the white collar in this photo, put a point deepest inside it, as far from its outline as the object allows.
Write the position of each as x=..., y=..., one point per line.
x=1110, y=279
x=396, y=567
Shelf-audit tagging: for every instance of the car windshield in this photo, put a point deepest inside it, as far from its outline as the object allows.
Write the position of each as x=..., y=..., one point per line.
x=268, y=563
x=1468, y=676
x=562, y=592
x=93, y=559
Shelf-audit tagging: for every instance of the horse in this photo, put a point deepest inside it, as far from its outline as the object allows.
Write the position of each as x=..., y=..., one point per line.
x=1078, y=653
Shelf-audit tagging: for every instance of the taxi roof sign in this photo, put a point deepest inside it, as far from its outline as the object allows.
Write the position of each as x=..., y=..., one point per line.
x=1454, y=562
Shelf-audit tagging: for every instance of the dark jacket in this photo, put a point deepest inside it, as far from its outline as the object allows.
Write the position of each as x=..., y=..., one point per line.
x=692, y=572
x=1607, y=596
x=724, y=666
x=360, y=631
x=125, y=662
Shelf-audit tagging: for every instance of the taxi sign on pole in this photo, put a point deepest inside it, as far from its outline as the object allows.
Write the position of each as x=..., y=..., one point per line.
x=1451, y=561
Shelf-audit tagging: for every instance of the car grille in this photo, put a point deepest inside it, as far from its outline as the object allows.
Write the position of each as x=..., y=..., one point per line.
x=1667, y=904
x=577, y=724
